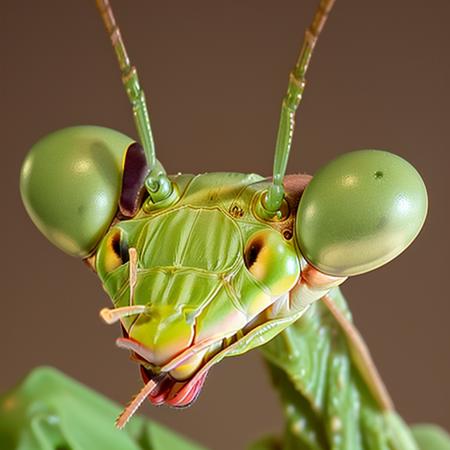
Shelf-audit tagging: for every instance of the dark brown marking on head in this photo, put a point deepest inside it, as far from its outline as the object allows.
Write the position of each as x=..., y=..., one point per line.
x=252, y=251
x=287, y=234
x=236, y=211
x=119, y=247
x=135, y=171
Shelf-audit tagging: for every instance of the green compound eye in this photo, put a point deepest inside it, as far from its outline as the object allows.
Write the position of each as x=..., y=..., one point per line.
x=359, y=212
x=70, y=185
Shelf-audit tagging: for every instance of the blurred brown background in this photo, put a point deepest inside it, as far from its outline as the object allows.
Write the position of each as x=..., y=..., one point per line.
x=214, y=74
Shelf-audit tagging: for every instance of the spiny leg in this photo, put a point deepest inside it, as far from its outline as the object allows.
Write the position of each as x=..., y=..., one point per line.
x=291, y=101
x=157, y=183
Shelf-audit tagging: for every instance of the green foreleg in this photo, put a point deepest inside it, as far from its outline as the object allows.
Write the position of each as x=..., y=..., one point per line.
x=328, y=402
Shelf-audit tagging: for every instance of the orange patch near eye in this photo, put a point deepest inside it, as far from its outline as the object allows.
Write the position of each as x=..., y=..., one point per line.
x=259, y=267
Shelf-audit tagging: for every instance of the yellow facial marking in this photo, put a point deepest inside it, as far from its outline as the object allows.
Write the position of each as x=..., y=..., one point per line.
x=112, y=254
x=272, y=261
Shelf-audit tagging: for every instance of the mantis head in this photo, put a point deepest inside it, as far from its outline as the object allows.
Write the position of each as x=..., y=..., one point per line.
x=205, y=276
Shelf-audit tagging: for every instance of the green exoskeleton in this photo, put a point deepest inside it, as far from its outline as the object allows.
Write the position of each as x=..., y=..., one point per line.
x=201, y=267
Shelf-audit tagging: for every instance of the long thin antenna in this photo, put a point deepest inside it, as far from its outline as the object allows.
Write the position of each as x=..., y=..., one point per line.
x=291, y=101
x=131, y=82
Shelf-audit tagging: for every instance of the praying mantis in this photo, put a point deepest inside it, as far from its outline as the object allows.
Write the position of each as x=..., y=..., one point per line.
x=131, y=276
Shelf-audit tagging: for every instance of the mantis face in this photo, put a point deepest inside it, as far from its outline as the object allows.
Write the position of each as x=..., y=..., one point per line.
x=193, y=283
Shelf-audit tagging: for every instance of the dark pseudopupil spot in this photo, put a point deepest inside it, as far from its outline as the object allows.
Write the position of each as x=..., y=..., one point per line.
x=120, y=248
x=252, y=252
x=378, y=174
